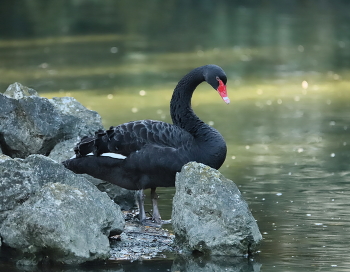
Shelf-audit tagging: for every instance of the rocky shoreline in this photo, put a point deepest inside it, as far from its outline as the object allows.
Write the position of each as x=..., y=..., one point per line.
x=48, y=214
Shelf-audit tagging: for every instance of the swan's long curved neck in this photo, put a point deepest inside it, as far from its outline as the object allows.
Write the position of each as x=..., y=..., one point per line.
x=180, y=105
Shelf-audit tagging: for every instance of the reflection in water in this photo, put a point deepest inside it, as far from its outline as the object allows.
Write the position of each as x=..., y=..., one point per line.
x=214, y=263
x=287, y=127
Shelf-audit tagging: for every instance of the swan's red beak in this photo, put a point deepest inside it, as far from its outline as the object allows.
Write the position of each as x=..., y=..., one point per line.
x=223, y=92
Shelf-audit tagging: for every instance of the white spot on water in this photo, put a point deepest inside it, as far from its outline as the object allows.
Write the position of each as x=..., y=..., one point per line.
x=142, y=92
x=110, y=96
x=332, y=155
x=114, y=50
x=308, y=214
x=278, y=194
x=44, y=65
x=304, y=84
x=200, y=53
x=134, y=110
x=300, y=149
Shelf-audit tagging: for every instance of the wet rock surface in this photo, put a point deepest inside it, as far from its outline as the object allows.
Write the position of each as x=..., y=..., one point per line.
x=34, y=125
x=210, y=215
x=139, y=242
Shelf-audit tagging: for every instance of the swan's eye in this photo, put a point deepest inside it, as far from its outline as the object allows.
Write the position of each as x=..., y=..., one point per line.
x=217, y=78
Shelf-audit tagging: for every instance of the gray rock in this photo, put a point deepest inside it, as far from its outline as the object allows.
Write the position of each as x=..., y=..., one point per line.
x=123, y=197
x=17, y=184
x=63, y=224
x=38, y=195
x=63, y=150
x=18, y=91
x=189, y=263
x=210, y=215
x=78, y=121
x=4, y=157
x=34, y=125
x=22, y=178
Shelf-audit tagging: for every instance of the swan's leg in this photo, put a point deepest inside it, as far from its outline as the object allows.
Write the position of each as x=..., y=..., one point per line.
x=140, y=202
x=156, y=215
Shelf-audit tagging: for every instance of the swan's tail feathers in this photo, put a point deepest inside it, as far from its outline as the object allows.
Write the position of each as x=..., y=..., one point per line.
x=84, y=147
x=101, y=143
x=97, y=144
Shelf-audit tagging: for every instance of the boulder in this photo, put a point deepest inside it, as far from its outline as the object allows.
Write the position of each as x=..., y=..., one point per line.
x=63, y=224
x=34, y=125
x=210, y=215
x=50, y=213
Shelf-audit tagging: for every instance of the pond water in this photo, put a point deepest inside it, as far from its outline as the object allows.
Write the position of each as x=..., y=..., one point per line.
x=287, y=127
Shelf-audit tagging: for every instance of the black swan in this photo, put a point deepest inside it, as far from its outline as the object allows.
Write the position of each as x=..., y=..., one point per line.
x=147, y=154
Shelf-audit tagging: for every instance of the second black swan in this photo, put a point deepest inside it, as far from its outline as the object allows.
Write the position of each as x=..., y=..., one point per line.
x=147, y=154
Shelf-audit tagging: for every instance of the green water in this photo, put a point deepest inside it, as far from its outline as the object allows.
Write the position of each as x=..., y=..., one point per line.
x=287, y=127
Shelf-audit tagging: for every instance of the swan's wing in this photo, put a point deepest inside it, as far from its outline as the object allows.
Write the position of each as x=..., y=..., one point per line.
x=131, y=137
x=134, y=136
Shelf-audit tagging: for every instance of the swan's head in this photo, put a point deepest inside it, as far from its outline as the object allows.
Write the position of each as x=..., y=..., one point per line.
x=216, y=77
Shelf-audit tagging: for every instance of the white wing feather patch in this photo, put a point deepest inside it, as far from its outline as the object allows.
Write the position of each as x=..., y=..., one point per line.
x=111, y=155
x=114, y=156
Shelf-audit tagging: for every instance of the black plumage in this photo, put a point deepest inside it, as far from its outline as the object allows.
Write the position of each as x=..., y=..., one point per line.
x=153, y=151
